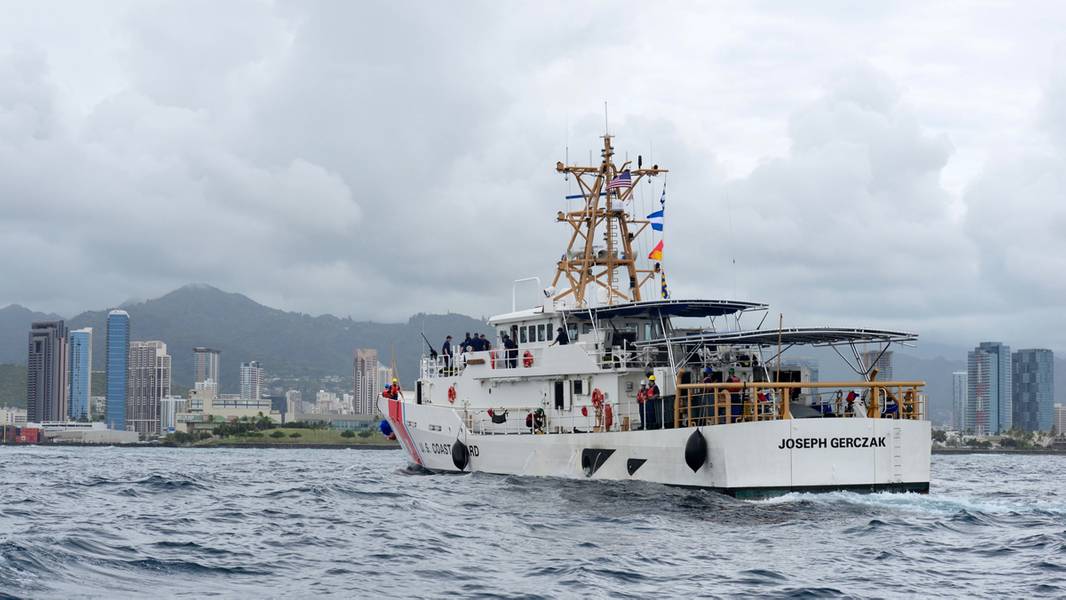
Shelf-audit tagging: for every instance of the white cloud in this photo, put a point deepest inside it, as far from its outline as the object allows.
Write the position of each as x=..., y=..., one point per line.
x=901, y=165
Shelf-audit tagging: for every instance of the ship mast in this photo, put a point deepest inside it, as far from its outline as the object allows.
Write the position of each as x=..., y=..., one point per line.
x=584, y=265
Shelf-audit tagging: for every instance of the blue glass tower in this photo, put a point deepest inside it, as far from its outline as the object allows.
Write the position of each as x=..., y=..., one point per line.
x=118, y=354
x=81, y=373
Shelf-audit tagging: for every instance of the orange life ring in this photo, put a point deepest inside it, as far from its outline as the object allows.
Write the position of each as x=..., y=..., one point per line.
x=451, y=394
x=608, y=417
x=597, y=398
x=527, y=359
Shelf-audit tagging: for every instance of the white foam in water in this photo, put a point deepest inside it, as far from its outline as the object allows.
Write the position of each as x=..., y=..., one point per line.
x=940, y=504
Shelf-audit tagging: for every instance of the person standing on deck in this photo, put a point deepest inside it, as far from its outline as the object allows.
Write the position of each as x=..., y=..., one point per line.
x=512, y=351
x=735, y=399
x=642, y=398
x=652, y=399
x=447, y=353
x=561, y=337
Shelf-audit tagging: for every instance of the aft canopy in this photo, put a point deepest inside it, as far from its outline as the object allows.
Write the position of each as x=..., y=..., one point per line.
x=667, y=308
x=806, y=336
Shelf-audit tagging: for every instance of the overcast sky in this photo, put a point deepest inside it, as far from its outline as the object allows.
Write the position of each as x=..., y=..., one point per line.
x=888, y=164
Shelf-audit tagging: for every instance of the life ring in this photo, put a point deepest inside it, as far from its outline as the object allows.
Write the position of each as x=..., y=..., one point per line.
x=608, y=417
x=527, y=359
x=451, y=394
x=597, y=398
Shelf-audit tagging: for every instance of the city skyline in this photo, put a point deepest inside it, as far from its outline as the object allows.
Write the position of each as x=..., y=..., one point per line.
x=1004, y=390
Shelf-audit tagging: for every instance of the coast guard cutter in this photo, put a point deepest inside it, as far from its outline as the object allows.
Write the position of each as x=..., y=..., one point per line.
x=600, y=382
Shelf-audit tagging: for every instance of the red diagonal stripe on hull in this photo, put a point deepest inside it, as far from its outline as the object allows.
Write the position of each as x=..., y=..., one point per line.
x=396, y=416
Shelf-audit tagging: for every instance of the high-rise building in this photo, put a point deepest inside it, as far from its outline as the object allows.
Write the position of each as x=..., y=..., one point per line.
x=81, y=373
x=958, y=400
x=47, y=388
x=988, y=397
x=1059, y=425
x=366, y=386
x=205, y=364
x=251, y=380
x=117, y=367
x=149, y=383
x=169, y=408
x=293, y=405
x=882, y=361
x=1033, y=380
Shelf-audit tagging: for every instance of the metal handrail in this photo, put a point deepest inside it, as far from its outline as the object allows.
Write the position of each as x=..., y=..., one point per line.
x=755, y=405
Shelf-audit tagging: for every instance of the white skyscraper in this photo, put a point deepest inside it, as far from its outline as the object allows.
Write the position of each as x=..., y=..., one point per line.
x=148, y=383
x=251, y=380
x=958, y=400
x=366, y=385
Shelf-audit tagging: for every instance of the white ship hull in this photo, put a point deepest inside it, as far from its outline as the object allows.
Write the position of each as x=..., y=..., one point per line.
x=743, y=459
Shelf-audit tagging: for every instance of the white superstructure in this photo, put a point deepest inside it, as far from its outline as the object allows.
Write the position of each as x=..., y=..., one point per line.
x=681, y=392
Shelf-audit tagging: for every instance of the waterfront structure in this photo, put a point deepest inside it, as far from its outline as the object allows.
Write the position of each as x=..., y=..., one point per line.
x=251, y=380
x=882, y=361
x=367, y=386
x=205, y=409
x=149, y=383
x=988, y=396
x=47, y=386
x=205, y=364
x=1033, y=391
x=958, y=400
x=12, y=417
x=169, y=408
x=293, y=405
x=62, y=432
x=117, y=366
x=81, y=373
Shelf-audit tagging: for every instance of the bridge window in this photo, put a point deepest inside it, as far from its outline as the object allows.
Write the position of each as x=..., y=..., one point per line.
x=522, y=334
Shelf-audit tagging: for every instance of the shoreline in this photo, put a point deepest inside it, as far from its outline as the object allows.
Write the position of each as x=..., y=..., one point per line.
x=255, y=445
x=1031, y=451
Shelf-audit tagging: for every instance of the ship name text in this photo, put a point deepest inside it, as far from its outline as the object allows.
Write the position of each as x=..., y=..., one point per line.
x=835, y=442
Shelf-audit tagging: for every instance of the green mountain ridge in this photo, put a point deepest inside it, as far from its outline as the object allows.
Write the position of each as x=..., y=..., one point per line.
x=286, y=343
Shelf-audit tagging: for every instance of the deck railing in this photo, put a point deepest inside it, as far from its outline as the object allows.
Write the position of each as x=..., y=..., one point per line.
x=719, y=403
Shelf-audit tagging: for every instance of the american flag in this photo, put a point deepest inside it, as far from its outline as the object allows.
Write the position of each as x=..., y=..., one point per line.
x=621, y=181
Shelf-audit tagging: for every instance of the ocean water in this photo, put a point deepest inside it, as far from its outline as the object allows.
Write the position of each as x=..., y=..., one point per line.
x=114, y=523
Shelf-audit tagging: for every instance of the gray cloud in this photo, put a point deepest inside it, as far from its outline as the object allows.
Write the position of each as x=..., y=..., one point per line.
x=383, y=159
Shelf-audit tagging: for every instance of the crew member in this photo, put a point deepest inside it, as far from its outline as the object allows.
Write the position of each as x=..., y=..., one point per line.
x=735, y=398
x=393, y=391
x=446, y=352
x=642, y=397
x=650, y=399
x=561, y=337
x=512, y=351
x=467, y=344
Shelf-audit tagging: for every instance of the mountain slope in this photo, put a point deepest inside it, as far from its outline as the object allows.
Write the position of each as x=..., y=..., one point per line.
x=286, y=343
x=15, y=323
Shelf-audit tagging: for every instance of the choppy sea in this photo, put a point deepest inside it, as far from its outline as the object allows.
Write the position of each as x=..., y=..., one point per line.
x=157, y=522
